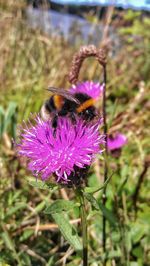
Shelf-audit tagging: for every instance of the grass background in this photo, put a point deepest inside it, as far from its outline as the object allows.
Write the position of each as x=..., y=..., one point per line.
x=30, y=61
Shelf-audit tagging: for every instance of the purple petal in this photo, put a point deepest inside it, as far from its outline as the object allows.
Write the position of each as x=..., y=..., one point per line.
x=92, y=89
x=116, y=142
x=73, y=145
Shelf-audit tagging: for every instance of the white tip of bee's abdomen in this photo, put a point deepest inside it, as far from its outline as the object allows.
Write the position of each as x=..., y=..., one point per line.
x=44, y=114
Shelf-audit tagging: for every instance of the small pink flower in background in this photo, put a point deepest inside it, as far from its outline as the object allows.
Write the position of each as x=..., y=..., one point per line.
x=92, y=89
x=116, y=142
x=73, y=146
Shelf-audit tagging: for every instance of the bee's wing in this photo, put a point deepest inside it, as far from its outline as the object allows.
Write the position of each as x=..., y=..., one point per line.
x=64, y=93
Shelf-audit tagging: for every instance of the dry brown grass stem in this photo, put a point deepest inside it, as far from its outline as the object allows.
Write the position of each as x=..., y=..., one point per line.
x=32, y=253
x=45, y=227
x=79, y=57
x=64, y=194
x=63, y=260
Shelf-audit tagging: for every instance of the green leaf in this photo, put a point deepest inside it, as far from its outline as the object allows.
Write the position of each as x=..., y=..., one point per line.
x=93, y=190
x=43, y=185
x=108, y=214
x=114, y=254
x=14, y=209
x=10, y=244
x=4, y=264
x=13, y=125
x=92, y=200
x=26, y=234
x=25, y=258
x=112, y=110
x=138, y=252
x=137, y=232
x=127, y=240
x=67, y=230
x=115, y=237
x=121, y=187
x=134, y=263
x=9, y=114
x=7, y=240
x=40, y=206
x=50, y=261
x=8, y=118
x=99, y=206
x=2, y=114
x=60, y=205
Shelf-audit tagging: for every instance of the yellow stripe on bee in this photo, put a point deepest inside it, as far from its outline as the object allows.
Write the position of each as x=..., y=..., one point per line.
x=58, y=101
x=85, y=105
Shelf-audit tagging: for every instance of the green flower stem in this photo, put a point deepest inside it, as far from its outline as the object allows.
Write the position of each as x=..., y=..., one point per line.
x=84, y=227
x=105, y=163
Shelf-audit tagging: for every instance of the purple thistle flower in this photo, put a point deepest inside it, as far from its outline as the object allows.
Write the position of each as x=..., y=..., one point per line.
x=92, y=89
x=73, y=146
x=116, y=142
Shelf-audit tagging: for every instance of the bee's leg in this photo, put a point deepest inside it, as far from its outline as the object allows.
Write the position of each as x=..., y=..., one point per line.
x=73, y=117
x=54, y=123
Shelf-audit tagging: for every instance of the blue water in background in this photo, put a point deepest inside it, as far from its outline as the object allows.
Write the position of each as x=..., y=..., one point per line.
x=56, y=23
x=73, y=28
x=76, y=29
x=134, y=4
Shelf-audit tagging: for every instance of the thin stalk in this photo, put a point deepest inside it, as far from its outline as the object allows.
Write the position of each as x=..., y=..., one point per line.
x=105, y=157
x=139, y=184
x=84, y=228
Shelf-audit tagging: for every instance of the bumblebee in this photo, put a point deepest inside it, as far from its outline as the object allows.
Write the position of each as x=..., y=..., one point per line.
x=64, y=103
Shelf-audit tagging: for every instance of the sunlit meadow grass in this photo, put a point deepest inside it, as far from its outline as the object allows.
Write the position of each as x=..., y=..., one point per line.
x=30, y=61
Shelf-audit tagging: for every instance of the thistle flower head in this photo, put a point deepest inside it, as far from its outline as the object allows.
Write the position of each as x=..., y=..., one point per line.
x=90, y=88
x=116, y=142
x=73, y=145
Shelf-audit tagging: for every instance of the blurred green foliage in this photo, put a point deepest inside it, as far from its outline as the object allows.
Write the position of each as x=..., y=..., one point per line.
x=8, y=119
x=30, y=62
